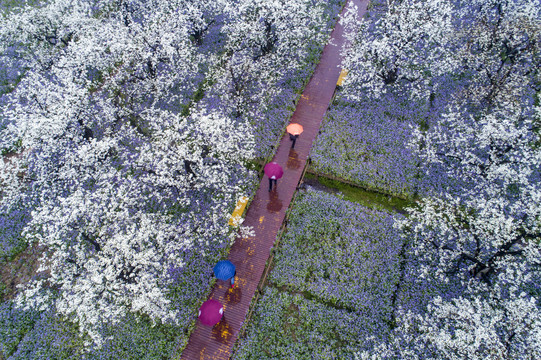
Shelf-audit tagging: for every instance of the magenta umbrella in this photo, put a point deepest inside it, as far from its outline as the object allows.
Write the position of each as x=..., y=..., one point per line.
x=211, y=312
x=273, y=170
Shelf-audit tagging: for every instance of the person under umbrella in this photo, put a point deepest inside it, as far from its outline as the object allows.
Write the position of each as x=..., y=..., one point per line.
x=274, y=171
x=294, y=130
x=211, y=312
x=225, y=270
x=293, y=138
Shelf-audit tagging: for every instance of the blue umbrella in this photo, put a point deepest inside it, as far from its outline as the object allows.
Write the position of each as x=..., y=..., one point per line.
x=225, y=270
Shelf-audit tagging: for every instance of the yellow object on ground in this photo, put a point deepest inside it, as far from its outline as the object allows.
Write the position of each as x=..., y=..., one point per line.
x=342, y=76
x=239, y=210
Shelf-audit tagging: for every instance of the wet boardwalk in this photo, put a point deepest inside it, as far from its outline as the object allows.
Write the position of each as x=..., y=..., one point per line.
x=267, y=210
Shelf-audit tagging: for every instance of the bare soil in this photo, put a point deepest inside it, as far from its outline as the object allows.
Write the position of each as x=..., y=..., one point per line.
x=20, y=270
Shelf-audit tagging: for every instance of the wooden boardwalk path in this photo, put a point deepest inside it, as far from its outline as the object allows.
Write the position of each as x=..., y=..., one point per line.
x=267, y=210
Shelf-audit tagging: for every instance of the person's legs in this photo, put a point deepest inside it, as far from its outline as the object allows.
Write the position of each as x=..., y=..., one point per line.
x=270, y=184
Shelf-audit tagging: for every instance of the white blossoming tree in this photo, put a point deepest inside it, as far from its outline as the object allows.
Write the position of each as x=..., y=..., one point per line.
x=421, y=48
x=480, y=234
x=262, y=36
x=497, y=50
x=403, y=50
x=485, y=238
x=496, y=161
x=201, y=15
x=124, y=183
x=465, y=328
x=483, y=242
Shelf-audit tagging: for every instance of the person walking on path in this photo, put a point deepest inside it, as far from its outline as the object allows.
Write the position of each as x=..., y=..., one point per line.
x=270, y=183
x=294, y=130
x=293, y=138
x=225, y=270
x=274, y=171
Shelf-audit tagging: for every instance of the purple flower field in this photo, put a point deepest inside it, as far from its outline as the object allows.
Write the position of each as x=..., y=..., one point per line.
x=289, y=326
x=366, y=143
x=342, y=277
x=340, y=264
x=341, y=253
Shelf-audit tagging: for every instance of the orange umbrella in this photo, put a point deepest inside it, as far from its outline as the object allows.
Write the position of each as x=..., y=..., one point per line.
x=294, y=129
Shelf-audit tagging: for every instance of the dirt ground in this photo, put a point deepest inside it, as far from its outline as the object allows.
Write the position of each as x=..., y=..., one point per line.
x=19, y=271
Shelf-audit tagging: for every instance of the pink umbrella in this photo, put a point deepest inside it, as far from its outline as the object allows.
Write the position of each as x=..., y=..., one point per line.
x=211, y=312
x=273, y=170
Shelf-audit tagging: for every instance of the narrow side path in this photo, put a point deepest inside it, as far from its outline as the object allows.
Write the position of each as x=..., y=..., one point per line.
x=267, y=210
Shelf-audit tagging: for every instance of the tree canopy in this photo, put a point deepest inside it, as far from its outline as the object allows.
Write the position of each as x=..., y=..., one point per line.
x=474, y=66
